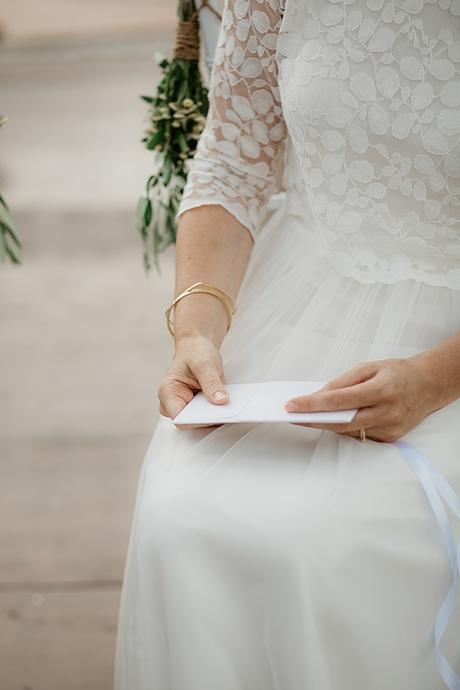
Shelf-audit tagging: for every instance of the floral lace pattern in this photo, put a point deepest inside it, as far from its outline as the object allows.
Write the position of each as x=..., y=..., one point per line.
x=238, y=162
x=369, y=91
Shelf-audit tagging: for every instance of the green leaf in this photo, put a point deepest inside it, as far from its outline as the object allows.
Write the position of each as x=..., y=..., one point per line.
x=7, y=226
x=14, y=257
x=141, y=211
x=183, y=91
x=148, y=213
x=167, y=172
x=2, y=248
x=151, y=182
x=182, y=141
x=9, y=241
x=157, y=138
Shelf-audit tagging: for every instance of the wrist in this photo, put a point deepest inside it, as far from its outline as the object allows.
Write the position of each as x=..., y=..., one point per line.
x=432, y=370
x=201, y=315
x=188, y=335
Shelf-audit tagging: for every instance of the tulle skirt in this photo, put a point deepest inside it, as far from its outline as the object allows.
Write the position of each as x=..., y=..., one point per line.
x=274, y=557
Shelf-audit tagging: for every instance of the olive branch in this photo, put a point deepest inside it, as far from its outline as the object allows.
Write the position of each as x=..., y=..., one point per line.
x=10, y=246
x=176, y=118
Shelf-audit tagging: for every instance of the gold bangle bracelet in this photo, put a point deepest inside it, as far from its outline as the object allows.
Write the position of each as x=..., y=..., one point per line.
x=226, y=299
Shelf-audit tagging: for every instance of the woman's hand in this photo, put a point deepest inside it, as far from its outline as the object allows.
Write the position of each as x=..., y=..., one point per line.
x=392, y=397
x=197, y=365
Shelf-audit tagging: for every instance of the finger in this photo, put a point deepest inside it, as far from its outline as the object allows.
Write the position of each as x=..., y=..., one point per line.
x=365, y=418
x=189, y=381
x=211, y=384
x=372, y=434
x=172, y=405
x=358, y=374
x=173, y=398
x=360, y=395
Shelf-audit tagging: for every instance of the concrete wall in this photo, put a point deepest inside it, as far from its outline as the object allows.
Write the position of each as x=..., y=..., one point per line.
x=83, y=341
x=29, y=20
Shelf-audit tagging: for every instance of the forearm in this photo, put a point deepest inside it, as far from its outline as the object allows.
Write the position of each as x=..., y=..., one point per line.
x=441, y=366
x=212, y=246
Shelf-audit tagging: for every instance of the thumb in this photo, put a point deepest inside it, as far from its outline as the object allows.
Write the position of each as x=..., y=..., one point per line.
x=211, y=385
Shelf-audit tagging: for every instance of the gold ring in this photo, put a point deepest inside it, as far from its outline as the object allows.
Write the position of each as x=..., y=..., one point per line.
x=362, y=435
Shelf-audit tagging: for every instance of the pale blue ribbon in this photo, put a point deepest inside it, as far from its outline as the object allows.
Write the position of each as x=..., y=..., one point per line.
x=437, y=490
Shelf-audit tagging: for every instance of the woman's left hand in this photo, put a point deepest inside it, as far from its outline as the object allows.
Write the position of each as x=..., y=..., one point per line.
x=392, y=397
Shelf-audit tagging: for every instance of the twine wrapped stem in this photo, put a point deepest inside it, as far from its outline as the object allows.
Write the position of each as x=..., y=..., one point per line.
x=187, y=46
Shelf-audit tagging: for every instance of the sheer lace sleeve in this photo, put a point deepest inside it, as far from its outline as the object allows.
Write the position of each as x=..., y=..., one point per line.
x=239, y=158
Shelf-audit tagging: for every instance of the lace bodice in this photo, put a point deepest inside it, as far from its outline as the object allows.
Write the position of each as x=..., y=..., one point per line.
x=355, y=106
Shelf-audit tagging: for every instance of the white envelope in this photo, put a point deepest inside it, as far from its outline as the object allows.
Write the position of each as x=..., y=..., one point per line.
x=259, y=402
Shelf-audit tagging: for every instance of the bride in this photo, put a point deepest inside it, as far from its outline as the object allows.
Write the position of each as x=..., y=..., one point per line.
x=288, y=556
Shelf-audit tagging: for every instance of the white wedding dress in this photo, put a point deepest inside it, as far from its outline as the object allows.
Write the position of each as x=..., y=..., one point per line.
x=272, y=557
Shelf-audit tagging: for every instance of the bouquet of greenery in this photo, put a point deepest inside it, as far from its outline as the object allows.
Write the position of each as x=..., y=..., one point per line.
x=10, y=245
x=176, y=117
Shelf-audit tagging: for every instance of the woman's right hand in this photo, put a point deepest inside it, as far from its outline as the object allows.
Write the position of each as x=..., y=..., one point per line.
x=196, y=365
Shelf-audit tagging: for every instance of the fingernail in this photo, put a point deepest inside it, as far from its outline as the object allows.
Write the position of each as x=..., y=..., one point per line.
x=220, y=395
x=290, y=407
